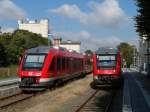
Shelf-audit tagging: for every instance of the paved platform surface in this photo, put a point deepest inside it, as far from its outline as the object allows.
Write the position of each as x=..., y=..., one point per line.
x=9, y=81
x=136, y=93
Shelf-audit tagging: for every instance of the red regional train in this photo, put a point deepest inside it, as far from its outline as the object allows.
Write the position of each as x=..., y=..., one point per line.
x=42, y=67
x=107, y=68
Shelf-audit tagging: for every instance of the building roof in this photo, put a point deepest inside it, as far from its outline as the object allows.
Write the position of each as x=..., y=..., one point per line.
x=27, y=21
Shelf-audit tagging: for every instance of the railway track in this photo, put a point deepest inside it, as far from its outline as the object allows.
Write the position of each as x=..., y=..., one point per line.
x=8, y=101
x=5, y=102
x=99, y=101
x=20, y=96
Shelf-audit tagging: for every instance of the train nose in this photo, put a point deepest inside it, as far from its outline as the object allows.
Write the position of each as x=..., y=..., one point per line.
x=34, y=73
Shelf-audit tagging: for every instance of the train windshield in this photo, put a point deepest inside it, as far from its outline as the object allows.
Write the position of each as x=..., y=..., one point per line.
x=106, y=61
x=34, y=61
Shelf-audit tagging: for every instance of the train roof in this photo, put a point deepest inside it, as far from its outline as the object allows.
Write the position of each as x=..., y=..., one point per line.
x=39, y=49
x=107, y=51
x=46, y=49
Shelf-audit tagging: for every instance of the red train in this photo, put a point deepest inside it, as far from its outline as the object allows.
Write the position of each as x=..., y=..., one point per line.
x=107, y=67
x=42, y=67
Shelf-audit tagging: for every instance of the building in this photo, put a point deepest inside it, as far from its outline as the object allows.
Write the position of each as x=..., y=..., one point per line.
x=56, y=41
x=39, y=27
x=70, y=45
x=143, y=55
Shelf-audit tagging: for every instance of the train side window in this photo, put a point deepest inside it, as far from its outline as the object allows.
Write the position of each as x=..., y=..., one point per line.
x=58, y=63
x=82, y=64
x=52, y=66
x=67, y=63
x=63, y=63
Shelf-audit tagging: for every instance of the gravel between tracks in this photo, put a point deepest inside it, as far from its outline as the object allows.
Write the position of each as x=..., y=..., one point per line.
x=60, y=100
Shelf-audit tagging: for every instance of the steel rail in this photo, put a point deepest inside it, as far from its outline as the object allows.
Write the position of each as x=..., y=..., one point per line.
x=14, y=99
x=110, y=102
x=106, y=108
x=83, y=105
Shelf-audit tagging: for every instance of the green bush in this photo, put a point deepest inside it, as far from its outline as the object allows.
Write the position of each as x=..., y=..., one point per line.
x=12, y=45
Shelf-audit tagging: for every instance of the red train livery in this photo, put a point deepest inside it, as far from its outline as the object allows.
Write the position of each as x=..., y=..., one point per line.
x=42, y=66
x=106, y=67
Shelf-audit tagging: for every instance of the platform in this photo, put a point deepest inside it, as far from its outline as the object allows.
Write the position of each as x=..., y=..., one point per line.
x=136, y=92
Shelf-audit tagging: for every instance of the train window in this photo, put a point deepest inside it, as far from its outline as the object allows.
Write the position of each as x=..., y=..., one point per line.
x=78, y=65
x=67, y=63
x=74, y=64
x=34, y=61
x=52, y=66
x=82, y=64
x=63, y=63
x=106, y=61
x=58, y=63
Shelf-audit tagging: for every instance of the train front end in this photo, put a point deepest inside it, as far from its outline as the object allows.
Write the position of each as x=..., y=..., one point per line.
x=31, y=70
x=107, y=67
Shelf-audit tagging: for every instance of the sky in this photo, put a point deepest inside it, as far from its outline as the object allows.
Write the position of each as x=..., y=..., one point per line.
x=95, y=23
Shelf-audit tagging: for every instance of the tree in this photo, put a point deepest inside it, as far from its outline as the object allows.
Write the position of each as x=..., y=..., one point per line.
x=89, y=55
x=3, y=58
x=89, y=52
x=27, y=39
x=143, y=18
x=126, y=52
x=15, y=44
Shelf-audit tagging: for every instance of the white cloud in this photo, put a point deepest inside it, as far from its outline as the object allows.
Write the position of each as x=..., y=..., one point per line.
x=107, y=13
x=88, y=41
x=9, y=11
x=7, y=29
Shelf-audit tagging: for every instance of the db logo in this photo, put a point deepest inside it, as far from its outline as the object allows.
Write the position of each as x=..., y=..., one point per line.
x=30, y=73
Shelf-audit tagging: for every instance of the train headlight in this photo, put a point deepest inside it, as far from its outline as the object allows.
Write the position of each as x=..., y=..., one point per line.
x=95, y=77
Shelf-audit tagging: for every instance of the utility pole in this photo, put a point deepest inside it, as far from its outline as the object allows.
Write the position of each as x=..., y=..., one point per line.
x=50, y=36
x=148, y=58
x=134, y=56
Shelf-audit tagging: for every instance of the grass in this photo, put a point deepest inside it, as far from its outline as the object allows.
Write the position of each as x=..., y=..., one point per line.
x=8, y=72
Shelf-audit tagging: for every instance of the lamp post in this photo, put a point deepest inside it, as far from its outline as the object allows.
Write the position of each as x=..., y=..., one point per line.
x=146, y=65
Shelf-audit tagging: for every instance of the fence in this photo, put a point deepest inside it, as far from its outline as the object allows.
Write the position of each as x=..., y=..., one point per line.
x=8, y=72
